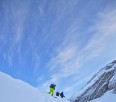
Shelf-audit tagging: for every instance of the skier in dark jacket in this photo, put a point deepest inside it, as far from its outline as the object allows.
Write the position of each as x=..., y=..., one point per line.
x=52, y=88
x=62, y=94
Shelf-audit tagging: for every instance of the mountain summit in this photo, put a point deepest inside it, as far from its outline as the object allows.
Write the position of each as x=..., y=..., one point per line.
x=101, y=83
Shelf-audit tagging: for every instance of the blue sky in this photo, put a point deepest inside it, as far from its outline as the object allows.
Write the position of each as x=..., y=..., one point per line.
x=56, y=41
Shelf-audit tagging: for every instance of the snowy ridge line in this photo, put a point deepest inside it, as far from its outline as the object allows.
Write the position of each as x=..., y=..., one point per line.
x=13, y=90
x=10, y=80
x=97, y=82
x=95, y=77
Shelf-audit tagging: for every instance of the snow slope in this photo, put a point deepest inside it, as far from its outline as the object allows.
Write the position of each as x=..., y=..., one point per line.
x=12, y=90
x=108, y=97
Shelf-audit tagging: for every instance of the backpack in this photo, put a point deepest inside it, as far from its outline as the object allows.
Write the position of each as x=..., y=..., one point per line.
x=62, y=94
x=52, y=86
x=57, y=93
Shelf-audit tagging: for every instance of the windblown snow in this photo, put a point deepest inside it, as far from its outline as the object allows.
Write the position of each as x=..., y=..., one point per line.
x=13, y=90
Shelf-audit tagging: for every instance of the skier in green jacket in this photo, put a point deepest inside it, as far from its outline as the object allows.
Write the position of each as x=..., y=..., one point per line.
x=52, y=88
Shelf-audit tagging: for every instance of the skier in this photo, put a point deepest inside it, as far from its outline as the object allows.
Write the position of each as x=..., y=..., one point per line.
x=62, y=94
x=52, y=88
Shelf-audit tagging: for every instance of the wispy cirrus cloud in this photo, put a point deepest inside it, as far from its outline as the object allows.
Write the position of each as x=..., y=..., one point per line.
x=15, y=15
x=36, y=62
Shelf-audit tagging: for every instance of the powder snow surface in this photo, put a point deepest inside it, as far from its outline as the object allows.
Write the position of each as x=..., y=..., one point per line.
x=12, y=90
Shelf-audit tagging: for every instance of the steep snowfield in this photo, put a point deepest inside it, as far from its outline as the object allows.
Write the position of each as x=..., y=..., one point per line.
x=12, y=90
x=108, y=97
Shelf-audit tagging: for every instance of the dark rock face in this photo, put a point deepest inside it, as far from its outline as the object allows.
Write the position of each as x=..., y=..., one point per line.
x=104, y=81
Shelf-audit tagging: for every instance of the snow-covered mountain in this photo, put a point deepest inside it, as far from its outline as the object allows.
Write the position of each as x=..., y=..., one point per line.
x=12, y=90
x=107, y=97
x=101, y=86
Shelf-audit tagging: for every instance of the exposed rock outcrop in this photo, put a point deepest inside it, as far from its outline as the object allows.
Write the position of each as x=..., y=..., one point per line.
x=102, y=82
